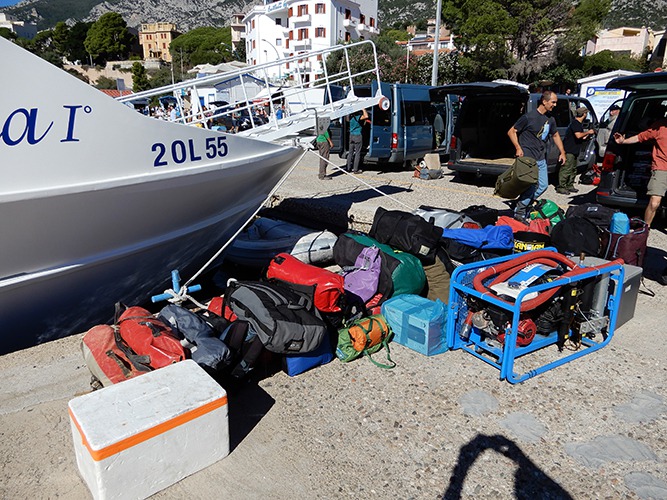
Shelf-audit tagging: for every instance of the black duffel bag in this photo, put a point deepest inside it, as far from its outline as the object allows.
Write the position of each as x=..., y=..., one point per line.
x=406, y=232
x=594, y=212
x=283, y=315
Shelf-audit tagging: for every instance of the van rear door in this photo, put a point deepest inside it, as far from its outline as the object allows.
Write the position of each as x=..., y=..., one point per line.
x=380, y=137
x=416, y=123
x=442, y=102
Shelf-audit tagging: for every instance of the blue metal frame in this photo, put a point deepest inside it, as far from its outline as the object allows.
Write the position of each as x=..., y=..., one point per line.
x=503, y=357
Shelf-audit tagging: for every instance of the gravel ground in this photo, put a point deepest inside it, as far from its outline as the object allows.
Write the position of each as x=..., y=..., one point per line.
x=434, y=427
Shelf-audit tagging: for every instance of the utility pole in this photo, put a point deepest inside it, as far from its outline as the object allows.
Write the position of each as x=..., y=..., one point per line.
x=434, y=74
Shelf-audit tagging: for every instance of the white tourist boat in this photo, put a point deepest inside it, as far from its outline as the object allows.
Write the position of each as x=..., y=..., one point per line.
x=98, y=203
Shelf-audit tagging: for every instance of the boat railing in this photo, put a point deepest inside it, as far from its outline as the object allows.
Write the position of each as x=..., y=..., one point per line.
x=262, y=113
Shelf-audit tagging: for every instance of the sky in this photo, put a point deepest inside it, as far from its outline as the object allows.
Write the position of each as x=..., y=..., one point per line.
x=5, y=3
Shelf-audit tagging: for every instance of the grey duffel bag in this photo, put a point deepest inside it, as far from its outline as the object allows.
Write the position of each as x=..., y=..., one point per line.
x=282, y=315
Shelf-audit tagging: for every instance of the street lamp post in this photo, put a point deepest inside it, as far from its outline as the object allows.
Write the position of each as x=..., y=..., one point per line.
x=434, y=74
x=278, y=58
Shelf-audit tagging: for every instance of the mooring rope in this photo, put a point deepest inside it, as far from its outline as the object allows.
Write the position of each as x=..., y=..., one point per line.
x=254, y=214
x=340, y=169
x=181, y=295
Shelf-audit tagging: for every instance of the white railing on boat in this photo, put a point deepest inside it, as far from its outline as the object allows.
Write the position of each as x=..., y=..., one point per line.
x=338, y=96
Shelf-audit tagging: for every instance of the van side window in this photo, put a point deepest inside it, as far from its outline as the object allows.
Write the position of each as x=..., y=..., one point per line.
x=643, y=113
x=562, y=113
x=411, y=113
x=381, y=118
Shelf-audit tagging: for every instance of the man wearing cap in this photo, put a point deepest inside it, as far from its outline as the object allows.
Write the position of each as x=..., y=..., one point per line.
x=605, y=132
x=574, y=138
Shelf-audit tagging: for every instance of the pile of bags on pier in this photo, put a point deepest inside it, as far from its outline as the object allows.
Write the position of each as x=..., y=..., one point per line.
x=302, y=316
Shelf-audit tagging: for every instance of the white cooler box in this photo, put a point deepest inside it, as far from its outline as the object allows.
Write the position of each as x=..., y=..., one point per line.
x=144, y=434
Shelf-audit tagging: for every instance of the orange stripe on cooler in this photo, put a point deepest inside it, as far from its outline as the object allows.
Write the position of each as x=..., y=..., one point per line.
x=142, y=436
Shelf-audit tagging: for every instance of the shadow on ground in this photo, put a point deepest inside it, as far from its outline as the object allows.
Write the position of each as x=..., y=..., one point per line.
x=250, y=406
x=327, y=212
x=530, y=481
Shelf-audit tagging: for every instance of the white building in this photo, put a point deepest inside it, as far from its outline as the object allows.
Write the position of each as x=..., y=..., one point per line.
x=285, y=28
x=21, y=28
x=624, y=40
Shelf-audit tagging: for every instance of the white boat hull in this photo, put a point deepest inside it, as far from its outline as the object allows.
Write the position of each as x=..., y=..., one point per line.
x=99, y=203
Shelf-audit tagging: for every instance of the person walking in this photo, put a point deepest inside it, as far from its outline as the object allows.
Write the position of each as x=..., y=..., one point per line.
x=324, y=145
x=530, y=135
x=574, y=138
x=356, y=122
x=657, y=185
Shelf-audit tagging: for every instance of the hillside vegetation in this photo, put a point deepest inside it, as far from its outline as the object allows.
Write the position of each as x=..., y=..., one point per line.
x=189, y=14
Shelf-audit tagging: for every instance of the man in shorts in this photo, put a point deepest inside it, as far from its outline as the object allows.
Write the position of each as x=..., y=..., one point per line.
x=657, y=133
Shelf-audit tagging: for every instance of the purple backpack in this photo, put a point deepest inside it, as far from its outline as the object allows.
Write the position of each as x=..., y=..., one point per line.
x=362, y=279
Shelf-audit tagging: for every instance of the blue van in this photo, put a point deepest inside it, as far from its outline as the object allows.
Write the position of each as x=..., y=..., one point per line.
x=403, y=133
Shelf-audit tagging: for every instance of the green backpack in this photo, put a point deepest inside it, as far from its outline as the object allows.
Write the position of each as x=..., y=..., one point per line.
x=547, y=209
x=365, y=336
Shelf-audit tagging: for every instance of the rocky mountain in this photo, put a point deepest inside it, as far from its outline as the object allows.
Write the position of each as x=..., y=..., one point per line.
x=189, y=14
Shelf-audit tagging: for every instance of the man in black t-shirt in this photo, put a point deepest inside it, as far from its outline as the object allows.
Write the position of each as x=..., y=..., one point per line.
x=530, y=135
x=574, y=138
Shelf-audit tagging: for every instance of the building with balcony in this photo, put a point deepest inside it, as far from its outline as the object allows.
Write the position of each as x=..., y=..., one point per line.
x=285, y=28
x=238, y=30
x=21, y=28
x=625, y=40
x=155, y=39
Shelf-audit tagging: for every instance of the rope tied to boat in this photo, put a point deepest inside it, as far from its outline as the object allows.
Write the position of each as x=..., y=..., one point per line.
x=181, y=296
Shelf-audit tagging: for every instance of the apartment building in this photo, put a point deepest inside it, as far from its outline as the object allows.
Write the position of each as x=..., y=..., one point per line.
x=285, y=28
x=625, y=40
x=238, y=30
x=155, y=39
x=21, y=28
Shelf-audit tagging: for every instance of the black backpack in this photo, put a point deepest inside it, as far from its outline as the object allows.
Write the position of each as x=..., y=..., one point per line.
x=576, y=235
x=282, y=315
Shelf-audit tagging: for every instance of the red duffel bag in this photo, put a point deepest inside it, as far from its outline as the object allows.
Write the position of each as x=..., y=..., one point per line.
x=146, y=335
x=106, y=361
x=329, y=291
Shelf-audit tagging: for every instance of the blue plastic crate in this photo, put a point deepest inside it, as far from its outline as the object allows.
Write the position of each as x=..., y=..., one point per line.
x=418, y=323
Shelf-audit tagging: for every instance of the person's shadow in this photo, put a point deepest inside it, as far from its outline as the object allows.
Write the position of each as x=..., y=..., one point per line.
x=529, y=480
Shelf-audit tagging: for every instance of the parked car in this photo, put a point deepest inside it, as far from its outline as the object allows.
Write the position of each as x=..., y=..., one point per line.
x=405, y=131
x=480, y=145
x=626, y=168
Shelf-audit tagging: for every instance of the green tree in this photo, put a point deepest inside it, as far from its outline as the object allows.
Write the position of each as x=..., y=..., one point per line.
x=60, y=37
x=108, y=38
x=8, y=34
x=519, y=39
x=240, y=53
x=75, y=49
x=162, y=77
x=607, y=60
x=396, y=35
x=104, y=82
x=202, y=45
x=139, y=77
